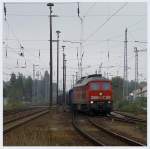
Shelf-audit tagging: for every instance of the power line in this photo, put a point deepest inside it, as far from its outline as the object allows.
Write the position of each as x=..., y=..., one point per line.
x=30, y=60
x=73, y=16
x=77, y=41
x=89, y=10
x=129, y=26
x=13, y=33
x=105, y=22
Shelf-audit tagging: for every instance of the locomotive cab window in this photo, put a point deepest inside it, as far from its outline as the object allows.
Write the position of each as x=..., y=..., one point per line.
x=94, y=86
x=106, y=85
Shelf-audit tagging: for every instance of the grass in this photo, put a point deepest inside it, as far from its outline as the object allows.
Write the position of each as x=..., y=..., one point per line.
x=14, y=104
x=142, y=127
x=133, y=106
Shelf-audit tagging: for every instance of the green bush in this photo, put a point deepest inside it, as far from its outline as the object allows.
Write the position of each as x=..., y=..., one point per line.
x=134, y=106
x=14, y=104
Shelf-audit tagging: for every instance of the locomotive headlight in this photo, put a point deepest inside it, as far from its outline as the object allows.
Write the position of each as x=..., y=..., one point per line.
x=100, y=93
x=91, y=102
x=109, y=102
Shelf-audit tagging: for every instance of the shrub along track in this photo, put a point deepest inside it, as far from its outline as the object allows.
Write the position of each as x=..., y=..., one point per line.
x=99, y=135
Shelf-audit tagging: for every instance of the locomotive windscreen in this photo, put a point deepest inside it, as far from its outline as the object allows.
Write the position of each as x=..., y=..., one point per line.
x=94, y=86
x=106, y=85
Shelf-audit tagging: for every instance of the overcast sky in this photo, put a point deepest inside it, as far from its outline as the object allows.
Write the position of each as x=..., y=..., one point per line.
x=28, y=24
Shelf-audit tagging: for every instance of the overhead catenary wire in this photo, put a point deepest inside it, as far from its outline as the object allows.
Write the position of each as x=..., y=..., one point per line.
x=93, y=33
x=27, y=60
x=87, y=16
x=89, y=9
x=12, y=31
x=20, y=45
x=77, y=41
x=74, y=16
x=129, y=26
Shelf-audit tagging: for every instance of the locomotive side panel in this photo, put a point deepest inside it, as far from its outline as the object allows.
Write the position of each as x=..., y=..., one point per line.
x=79, y=100
x=79, y=95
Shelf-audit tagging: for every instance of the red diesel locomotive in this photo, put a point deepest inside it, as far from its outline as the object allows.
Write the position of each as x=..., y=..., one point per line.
x=92, y=94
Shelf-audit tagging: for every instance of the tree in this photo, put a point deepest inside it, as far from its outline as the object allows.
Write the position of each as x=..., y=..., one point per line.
x=12, y=79
x=28, y=88
x=46, y=85
x=117, y=86
x=11, y=87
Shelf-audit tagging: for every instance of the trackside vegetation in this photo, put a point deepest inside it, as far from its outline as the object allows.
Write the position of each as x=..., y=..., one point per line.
x=21, y=91
x=138, y=105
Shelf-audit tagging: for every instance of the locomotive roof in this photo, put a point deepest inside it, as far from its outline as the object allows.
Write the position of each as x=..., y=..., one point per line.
x=84, y=80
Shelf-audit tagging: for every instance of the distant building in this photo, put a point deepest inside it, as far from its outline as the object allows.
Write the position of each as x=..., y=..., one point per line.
x=140, y=92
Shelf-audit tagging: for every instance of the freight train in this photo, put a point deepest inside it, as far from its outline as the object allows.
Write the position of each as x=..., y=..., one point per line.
x=92, y=94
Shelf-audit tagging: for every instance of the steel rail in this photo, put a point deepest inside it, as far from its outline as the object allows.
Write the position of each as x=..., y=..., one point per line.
x=121, y=119
x=128, y=118
x=131, y=118
x=10, y=126
x=120, y=137
x=15, y=111
x=83, y=133
x=21, y=117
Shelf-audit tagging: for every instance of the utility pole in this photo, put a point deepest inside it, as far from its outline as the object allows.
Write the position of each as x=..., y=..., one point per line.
x=5, y=11
x=105, y=74
x=46, y=82
x=51, y=61
x=81, y=64
x=37, y=87
x=76, y=77
x=81, y=40
x=33, y=90
x=63, y=75
x=58, y=32
x=33, y=87
x=73, y=80
x=125, y=75
x=65, y=79
x=136, y=67
x=100, y=68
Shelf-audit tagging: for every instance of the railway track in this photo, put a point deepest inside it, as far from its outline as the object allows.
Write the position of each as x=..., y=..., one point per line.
x=101, y=136
x=130, y=118
x=125, y=118
x=83, y=133
x=116, y=135
x=15, y=111
x=20, y=114
x=14, y=123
